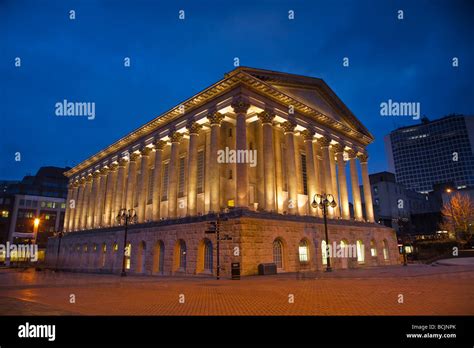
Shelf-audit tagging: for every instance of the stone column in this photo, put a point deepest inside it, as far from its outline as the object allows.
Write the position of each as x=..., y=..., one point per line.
x=240, y=106
x=70, y=191
x=73, y=211
x=319, y=175
x=335, y=190
x=327, y=176
x=369, y=208
x=355, y=185
x=266, y=118
x=120, y=189
x=143, y=189
x=131, y=180
x=278, y=170
x=109, y=195
x=215, y=120
x=159, y=146
x=289, y=128
x=193, y=130
x=101, y=197
x=85, y=220
x=93, y=200
x=341, y=172
x=78, y=224
x=175, y=138
x=308, y=136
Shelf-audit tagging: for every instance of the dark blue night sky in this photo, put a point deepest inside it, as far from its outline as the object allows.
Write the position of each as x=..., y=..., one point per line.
x=171, y=59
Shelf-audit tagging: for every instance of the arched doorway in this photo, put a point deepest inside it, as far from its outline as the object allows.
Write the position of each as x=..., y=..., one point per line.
x=180, y=254
x=159, y=258
x=360, y=252
x=141, y=257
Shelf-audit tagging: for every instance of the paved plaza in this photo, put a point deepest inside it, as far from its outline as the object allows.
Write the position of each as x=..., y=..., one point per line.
x=424, y=290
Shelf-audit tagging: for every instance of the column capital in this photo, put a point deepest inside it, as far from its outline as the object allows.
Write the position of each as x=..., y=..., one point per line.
x=338, y=148
x=351, y=153
x=89, y=177
x=363, y=157
x=96, y=174
x=215, y=118
x=104, y=170
x=175, y=137
x=70, y=186
x=266, y=117
x=146, y=150
x=134, y=156
x=288, y=126
x=159, y=144
x=240, y=105
x=82, y=181
x=122, y=162
x=113, y=166
x=193, y=128
x=324, y=141
x=308, y=135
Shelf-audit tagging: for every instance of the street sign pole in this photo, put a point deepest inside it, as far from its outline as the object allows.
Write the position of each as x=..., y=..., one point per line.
x=218, y=246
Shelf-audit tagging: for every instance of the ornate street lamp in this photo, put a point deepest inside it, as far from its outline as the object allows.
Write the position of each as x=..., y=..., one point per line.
x=323, y=201
x=126, y=217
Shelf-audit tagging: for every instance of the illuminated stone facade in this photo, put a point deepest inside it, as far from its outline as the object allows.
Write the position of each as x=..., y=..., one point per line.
x=170, y=173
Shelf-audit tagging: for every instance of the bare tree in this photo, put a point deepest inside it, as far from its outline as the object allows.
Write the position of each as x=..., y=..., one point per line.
x=458, y=216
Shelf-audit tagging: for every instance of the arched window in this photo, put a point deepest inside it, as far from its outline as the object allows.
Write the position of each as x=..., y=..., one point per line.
x=128, y=254
x=373, y=248
x=360, y=252
x=278, y=253
x=208, y=262
x=303, y=251
x=159, y=257
x=385, y=249
x=324, y=252
x=182, y=255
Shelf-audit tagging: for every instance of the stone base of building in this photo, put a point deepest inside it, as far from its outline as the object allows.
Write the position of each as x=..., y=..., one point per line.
x=182, y=247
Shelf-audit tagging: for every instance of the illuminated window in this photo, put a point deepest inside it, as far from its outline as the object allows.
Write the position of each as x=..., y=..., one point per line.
x=208, y=264
x=278, y=253
x=303, y=251
x=373, y=249
x=104, y=253
x=304, y=176
x=324, y=252
x=115, y=247
x=200, y=172
x=385, y=250
x=231, y=203
x=181, y=177
x=164, y=182
x=128, y=254
x=63, y=205
x=360, y=252
x=5, y=213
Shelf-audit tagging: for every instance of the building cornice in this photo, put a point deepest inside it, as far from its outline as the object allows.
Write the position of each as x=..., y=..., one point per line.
x=232, y=80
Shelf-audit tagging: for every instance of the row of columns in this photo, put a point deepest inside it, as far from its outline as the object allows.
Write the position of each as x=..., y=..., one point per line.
x=95, y=199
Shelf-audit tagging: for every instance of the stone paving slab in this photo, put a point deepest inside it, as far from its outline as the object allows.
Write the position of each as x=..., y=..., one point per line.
x=426, y=290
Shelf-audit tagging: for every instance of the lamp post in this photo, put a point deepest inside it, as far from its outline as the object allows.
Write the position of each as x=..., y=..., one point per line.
x=126, y=217
x=325, y=201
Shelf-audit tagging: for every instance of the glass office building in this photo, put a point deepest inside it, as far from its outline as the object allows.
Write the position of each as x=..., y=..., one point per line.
x=433, y=152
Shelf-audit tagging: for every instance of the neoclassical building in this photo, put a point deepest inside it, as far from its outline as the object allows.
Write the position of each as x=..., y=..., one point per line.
x=255, y=147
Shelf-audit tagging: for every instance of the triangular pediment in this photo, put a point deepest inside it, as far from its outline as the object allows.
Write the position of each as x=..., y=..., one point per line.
x=313, y=92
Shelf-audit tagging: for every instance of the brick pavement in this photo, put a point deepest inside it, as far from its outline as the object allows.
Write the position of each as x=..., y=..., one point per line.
x=426, y=290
